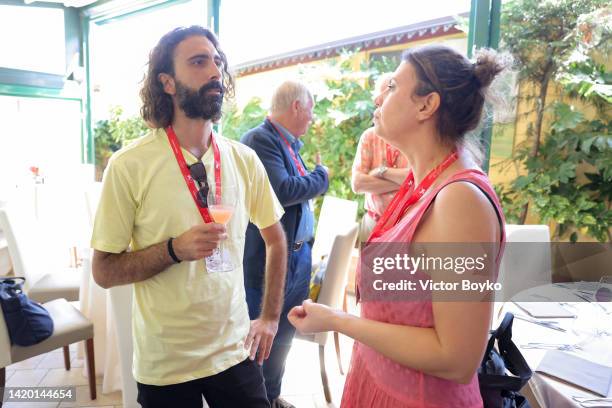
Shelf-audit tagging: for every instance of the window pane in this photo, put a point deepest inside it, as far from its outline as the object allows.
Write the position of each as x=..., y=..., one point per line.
x=40, y=132
x=117, y=71
x=28, y=48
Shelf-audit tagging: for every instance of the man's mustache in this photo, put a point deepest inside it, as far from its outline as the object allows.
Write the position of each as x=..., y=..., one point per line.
x=212, y=85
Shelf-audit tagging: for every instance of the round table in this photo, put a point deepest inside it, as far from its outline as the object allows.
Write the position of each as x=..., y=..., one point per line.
x=591, y=329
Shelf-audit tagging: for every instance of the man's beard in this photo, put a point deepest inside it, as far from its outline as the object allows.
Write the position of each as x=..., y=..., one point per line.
x=199, y=104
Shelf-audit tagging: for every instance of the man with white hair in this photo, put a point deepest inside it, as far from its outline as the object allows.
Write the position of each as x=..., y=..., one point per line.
x=277, y=143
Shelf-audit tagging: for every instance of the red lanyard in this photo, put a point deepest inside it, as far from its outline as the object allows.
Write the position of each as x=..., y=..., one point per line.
x=401, y=201
x=176, y=148
x=299, y=166
x=392, y=155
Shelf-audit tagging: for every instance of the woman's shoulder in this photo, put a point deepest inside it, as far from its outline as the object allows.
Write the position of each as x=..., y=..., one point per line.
x=462, y=211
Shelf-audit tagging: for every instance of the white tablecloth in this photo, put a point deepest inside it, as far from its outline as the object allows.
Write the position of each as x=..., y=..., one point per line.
x=95, y=304
x=550, y=392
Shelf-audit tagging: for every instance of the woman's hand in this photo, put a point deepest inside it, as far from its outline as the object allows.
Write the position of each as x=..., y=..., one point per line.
x=313, y=317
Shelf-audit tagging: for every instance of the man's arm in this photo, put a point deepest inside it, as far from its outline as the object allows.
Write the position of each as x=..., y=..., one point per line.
x=276, y=270
x=365, y=183
x=289, y=189
x=128, y=267
x=396, y=175
x=373, y=183
x=264, y=328
x=361, y=179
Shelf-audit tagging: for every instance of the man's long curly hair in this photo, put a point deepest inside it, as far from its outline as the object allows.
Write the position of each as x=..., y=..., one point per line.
x=157, y=108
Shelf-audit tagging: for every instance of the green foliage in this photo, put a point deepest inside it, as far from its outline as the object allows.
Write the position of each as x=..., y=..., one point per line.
x=112, y=134
x=343, y=110
x=581, y=76
x=569, y=182
x=588, y=81
x=235, y=123
x=541, y=34
x=568, y=173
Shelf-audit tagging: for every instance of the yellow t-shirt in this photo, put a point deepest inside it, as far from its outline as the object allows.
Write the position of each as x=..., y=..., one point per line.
x=187, y=323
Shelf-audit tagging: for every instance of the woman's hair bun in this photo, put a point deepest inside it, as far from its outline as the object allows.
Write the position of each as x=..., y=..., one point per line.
x=488, y=64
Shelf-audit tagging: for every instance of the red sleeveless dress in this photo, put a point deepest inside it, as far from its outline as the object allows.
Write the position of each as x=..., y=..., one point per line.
x=376, y=381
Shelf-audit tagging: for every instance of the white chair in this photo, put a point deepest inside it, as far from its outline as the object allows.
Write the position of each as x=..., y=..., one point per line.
x=333, y=291
x=70, y=326
x=524, y=266
x=121, y=305
x=6, y=267
x=31, y=259
x=582, y=261
x=336, y=216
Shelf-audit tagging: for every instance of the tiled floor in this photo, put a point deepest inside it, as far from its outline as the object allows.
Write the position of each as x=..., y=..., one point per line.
x=48, y=370
x=302, y=381
x=301, y=385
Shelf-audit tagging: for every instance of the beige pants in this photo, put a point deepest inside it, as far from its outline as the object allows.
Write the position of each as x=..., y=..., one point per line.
x=365, y=227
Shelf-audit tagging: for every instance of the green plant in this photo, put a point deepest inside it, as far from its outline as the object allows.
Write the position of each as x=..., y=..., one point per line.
x=570, y=181
x=343, y=110
x=568, y=162
x=112, y=134
x=236, y=123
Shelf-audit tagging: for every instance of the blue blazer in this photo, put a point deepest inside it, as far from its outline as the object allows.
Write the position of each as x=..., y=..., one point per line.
x=291, y=189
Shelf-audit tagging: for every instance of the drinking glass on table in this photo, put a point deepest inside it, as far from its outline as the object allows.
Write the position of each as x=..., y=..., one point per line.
x=221, y=209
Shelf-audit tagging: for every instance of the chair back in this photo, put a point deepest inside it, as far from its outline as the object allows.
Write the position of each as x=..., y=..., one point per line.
x=5, y=259
x=121, y=306
x=525, y=266
x=5, y=343
x=21, y=237
x=337, y=216
x=581, y=261
x=336, y=274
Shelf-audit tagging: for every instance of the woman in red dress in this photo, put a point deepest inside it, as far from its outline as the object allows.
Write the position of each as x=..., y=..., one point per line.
x=425, y=353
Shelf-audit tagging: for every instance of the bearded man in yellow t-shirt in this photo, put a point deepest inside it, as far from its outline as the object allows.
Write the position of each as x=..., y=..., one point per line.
x=153, y=229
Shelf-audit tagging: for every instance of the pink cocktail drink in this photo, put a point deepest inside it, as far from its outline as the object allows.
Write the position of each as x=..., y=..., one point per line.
x=221, y=213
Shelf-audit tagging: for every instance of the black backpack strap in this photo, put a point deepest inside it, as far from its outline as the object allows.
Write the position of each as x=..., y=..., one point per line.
x=515, y=362
x=12, y=279
x=513, y=359
x=10, y=287
x=501, y=382
x=503, y=331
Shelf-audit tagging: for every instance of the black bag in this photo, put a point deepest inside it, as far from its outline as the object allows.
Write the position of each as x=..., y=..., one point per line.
x=28, y=322
x=499, y=390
